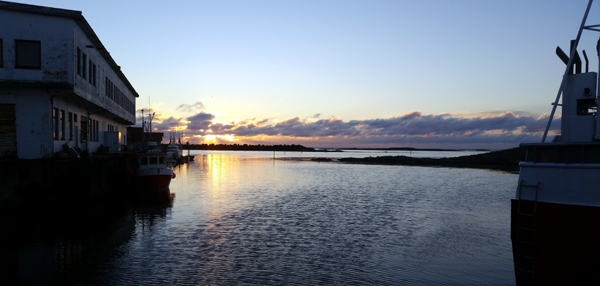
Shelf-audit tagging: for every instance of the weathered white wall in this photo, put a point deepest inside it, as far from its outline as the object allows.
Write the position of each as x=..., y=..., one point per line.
x=97, y=94
x=33, y=122
x=56, y=38
x=60, y=38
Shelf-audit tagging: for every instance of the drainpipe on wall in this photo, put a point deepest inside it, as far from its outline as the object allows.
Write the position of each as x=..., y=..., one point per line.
x=52, y=125
x=87, y=133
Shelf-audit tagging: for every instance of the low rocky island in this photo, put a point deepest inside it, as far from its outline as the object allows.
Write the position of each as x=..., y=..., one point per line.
x=503, y=160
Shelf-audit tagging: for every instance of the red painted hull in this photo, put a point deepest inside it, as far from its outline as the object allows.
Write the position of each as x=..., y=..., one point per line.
x=563, y=240
x=152, y=183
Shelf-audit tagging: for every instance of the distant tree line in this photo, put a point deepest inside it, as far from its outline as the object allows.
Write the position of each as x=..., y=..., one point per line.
x=250, y=147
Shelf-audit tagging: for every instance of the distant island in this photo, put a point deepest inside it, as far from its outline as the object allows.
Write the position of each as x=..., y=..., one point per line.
x=247, y=147
x=503, y=160
x=296, y=147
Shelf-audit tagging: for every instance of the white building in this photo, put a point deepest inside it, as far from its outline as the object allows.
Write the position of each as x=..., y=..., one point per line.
x=58, y=84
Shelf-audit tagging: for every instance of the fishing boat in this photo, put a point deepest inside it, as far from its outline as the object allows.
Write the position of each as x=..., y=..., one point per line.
x=556, y=211
x=174, y=152
x=152, y=173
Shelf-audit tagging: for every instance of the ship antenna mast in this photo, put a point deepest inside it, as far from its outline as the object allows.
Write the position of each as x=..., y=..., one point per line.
x=571, y=58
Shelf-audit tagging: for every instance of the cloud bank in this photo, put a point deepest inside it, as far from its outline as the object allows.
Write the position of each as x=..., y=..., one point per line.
x=413, y=129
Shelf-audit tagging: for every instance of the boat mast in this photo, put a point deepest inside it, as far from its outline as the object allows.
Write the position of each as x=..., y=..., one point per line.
x=571, y=58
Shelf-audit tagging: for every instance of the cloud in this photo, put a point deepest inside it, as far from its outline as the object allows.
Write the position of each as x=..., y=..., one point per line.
x=168, y=124
x=410, y=124
x=200, y=121
x=191, y=108
x=500, y=129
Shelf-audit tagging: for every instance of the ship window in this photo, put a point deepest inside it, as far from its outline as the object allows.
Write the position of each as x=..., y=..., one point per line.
x=586, y=106
x=161, y=160
x=143, y=160
x=152, y=160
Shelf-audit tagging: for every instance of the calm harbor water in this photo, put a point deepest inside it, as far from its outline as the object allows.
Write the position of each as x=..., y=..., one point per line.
x=243, y=218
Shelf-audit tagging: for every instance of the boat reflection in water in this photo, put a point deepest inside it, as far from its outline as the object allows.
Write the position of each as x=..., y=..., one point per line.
x=556, y=210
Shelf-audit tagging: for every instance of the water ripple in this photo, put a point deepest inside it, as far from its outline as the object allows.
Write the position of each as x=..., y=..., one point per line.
x=249, y=221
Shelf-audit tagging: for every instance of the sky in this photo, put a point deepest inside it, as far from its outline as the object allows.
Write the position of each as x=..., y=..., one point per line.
x=465, y=74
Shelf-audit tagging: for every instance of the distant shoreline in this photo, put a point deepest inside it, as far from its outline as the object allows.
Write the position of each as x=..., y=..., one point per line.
x=503, y=160
x=300, y=148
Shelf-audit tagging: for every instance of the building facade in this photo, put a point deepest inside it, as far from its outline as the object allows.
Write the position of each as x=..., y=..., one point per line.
x=59, y=86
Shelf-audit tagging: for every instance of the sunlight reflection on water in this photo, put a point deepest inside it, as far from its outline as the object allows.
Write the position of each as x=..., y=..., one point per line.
x=252, y=220
x=248, y=219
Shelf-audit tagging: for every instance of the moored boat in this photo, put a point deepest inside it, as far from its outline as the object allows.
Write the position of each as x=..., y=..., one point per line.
x=556, y=209
x=152, y=174
x=174, y=153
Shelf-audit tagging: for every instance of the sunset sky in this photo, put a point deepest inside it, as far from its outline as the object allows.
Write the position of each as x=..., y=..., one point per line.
x=425, y=74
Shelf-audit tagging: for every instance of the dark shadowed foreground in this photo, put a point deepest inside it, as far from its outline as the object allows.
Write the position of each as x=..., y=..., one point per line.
x=242, y=218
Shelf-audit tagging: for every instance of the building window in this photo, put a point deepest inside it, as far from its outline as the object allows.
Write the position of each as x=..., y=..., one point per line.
x=94, y=77
x=83, y=61
x=91, y=73
x=93, y=130
x=79, y=61
x=70, y=126
x=90, y=130
x=55, y=122
x=62, y=124
x=75, y=126
x=96, y=130
x=84, y=129
x=28, y=54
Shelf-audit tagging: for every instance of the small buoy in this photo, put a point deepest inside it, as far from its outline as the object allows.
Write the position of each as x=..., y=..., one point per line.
x=174, y=175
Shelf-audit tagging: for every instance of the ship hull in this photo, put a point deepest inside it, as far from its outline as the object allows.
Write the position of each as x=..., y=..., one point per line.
x=152, y=183
x=559, y=245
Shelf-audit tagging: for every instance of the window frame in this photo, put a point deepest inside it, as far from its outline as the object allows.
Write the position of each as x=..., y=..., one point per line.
x=78, y=61
x=83, y=65
x=1, y=53
x=62, y=124
x=90, y=78
x=19, y=65
x=70, y=118
x=55, y=129
x=94, y=77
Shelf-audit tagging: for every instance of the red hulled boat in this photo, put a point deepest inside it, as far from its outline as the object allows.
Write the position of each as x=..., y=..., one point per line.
x=557, y=204
x=152, y=173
